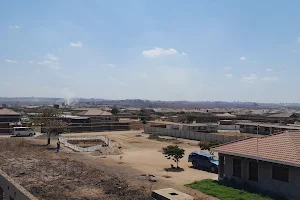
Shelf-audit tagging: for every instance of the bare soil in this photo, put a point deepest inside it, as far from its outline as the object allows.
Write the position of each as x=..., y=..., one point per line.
x=48, y=175
x=86, y=143
x=120, y=173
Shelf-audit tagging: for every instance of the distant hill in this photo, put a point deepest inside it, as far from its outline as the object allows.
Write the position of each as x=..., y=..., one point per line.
x=19, y=101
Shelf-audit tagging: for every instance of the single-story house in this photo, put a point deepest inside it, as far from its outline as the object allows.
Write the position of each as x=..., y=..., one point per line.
x=270, y=163
x=7, y=115
x=287, y=117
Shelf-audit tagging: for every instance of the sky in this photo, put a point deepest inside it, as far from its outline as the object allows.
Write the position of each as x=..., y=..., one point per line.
x=197, y=50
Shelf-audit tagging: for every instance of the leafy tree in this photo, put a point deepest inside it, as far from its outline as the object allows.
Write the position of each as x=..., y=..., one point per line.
x=51, y=123
x=204, y=145
x=173, y=152
x=115, y=110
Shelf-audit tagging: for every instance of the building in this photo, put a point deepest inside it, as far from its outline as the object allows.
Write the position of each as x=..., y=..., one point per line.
x=271, y=163
x=283, y=118
x=201, y=127
x=228, y=125
x=96, y=115
x=265, y=128
x=10, y=116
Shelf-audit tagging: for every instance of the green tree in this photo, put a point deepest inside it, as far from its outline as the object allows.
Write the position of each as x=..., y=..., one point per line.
x=51, y=123
x=173, y=152
x=204, y=145
x=115, y=110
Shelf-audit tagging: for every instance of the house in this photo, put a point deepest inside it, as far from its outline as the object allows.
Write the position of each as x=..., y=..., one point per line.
x=270, y=163
x=265, y=128
x=201, y=127
x=287, y=117
x=96, y=115
x=7, y=115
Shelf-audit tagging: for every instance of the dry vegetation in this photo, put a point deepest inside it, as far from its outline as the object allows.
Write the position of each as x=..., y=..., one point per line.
x=48, y=175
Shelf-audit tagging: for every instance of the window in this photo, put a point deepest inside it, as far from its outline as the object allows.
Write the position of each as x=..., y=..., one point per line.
x=280, y=173
x=253, y=171
x=237, y=167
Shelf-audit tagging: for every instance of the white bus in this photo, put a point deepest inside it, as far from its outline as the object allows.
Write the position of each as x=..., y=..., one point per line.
x=23, y=131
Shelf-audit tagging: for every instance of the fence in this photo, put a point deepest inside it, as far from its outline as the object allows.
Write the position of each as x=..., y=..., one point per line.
x=192, y=135
x=87, y=149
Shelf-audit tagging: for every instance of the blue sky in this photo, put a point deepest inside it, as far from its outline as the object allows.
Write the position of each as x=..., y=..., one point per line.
x=158, y=50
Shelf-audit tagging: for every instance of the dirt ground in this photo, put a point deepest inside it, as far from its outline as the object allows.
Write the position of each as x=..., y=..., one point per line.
x=74, y=175
x=145, y=155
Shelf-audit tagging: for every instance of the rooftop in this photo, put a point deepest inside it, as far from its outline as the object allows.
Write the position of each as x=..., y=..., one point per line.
x=5, y=111
x=94, y=112
x=203, y=154
x=283, y=115
x=296, y=127
x=282, y=148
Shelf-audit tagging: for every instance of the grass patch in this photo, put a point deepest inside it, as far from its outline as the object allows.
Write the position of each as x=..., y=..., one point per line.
x=224, y=192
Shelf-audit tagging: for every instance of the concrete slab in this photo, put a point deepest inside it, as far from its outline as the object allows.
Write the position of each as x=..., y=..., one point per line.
x=170, y=194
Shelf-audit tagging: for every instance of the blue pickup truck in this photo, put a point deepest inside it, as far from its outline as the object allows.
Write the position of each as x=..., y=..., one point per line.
x=204, y=160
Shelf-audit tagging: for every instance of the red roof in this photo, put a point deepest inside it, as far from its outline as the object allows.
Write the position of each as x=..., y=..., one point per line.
x=283, y=148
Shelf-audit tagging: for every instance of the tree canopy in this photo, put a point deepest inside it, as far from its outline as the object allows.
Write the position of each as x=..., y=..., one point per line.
x=173, y=152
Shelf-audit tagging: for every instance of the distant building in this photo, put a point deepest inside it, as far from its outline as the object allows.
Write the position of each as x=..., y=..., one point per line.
x=283, y=118
x=271, y=163
x=265, y=128
x=10, y=116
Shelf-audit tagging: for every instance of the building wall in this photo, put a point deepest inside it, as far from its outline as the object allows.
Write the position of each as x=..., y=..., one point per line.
x=265, y=181
x=200, y=136
x=228, y=127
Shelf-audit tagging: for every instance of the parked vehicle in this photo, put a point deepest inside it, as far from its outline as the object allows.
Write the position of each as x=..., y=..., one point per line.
x=201, y=159
x=23, y=131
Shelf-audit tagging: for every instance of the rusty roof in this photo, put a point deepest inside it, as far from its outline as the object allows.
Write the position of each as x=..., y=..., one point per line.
x=282, y=148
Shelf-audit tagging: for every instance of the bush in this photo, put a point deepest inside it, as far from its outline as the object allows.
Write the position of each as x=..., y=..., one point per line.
x=153, y=136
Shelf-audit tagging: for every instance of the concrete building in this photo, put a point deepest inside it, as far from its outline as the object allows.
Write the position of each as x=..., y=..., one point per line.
x=264, y=128
x=201, y=127
x=10, y=116
x=283, y=118
x=271, y=163
x=228, y=125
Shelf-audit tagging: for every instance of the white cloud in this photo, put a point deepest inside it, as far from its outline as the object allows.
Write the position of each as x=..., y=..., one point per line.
x=111, y=65
x=11, y=61
x=37, y=70
x=51, y=57
x=159, y=52
x=254, y=78
x=14, y=26
x=269, y=70
x=55, y=67
x=50, y=60
x=271, y=78
x=229, y=76
x=76, y=44
x=298, y=39
x=250, y=78
x=227, y=68
x=184, y=54
x=242, y=58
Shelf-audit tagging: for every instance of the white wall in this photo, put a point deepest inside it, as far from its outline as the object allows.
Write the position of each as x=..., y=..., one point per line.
x=229, y=127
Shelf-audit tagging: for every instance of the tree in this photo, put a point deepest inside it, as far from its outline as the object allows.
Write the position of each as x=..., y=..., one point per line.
x=173, y=152
x=115, y=110
x=204, y=145
x=51, y=123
